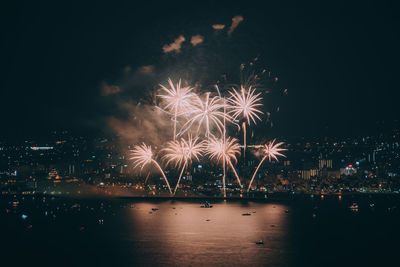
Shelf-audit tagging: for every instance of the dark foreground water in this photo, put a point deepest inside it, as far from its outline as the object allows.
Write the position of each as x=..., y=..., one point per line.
x=121, y=232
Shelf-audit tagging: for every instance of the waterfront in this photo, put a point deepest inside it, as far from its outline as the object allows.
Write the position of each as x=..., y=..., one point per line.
x=128, y=232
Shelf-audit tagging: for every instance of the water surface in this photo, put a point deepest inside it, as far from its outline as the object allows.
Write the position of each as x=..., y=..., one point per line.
x=124, y=232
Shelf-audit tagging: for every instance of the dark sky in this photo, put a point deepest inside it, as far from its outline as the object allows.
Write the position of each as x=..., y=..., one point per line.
x=338, y=60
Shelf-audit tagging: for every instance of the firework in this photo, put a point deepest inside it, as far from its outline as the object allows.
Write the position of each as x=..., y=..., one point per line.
x=142, y=155
x=208, y=113
x=226, y=151
x=177, y=99
x=181, y=153
x=270, y=151
x=245, y=104
x=252, y=76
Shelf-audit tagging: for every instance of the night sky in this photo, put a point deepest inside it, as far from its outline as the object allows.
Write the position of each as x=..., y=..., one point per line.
x=339, y=61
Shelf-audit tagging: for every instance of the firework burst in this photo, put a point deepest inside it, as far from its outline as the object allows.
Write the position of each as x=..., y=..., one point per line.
x=245, y=104
x=271, y=151
x=225, y=151
x=181, y=153
x=142, y=155
x=177, y=99
x=209, y=113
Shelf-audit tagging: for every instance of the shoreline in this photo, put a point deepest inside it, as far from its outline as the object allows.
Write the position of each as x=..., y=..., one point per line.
x=269, y=197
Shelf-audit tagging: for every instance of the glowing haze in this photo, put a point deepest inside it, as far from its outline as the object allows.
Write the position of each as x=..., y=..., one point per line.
x=187, y=117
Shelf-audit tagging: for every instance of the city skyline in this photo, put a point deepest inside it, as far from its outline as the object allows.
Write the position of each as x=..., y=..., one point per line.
x=67, y=163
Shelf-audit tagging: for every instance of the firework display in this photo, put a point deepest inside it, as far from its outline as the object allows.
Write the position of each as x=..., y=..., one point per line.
x=204, y=118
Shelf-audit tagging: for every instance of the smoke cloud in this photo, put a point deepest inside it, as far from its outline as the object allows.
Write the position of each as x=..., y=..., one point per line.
x=146, y=123
x=107, y=89
x=147, y=69
x=218, y=26
x=175, y=45
x=196, y=39
x=235, y=22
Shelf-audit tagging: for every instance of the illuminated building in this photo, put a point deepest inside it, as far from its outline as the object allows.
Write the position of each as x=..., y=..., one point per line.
x=41, y=147
x=53, y=174
x=324, y=163
x=307, y=174
x=349, y=170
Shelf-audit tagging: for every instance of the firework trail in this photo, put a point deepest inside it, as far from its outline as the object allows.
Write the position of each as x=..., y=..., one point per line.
x=245, y=104
x=178, y=100
x=270, y=151
x=142, y=155
x=244, y=138
x=181, y=153
x=224, y=151
x=208, y=112
x=147, y=178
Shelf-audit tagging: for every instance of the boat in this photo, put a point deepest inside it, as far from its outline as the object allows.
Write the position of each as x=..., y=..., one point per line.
x=260, y=242
x=390, y=209
x=206, y=205
x=246, y=214
x=154, y=209
x=353, y=207
x=76, y=205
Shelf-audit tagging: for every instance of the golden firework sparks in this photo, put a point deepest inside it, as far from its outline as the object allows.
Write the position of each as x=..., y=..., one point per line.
x=142, y=155
x=245, y=104
x=181, y=153
x=209, y=113
x=177, y=99
x=226, y=151
x=271, y=150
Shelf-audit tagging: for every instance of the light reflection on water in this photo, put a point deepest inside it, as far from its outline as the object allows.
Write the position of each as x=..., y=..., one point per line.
x=126, y=232
x=218, y=236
